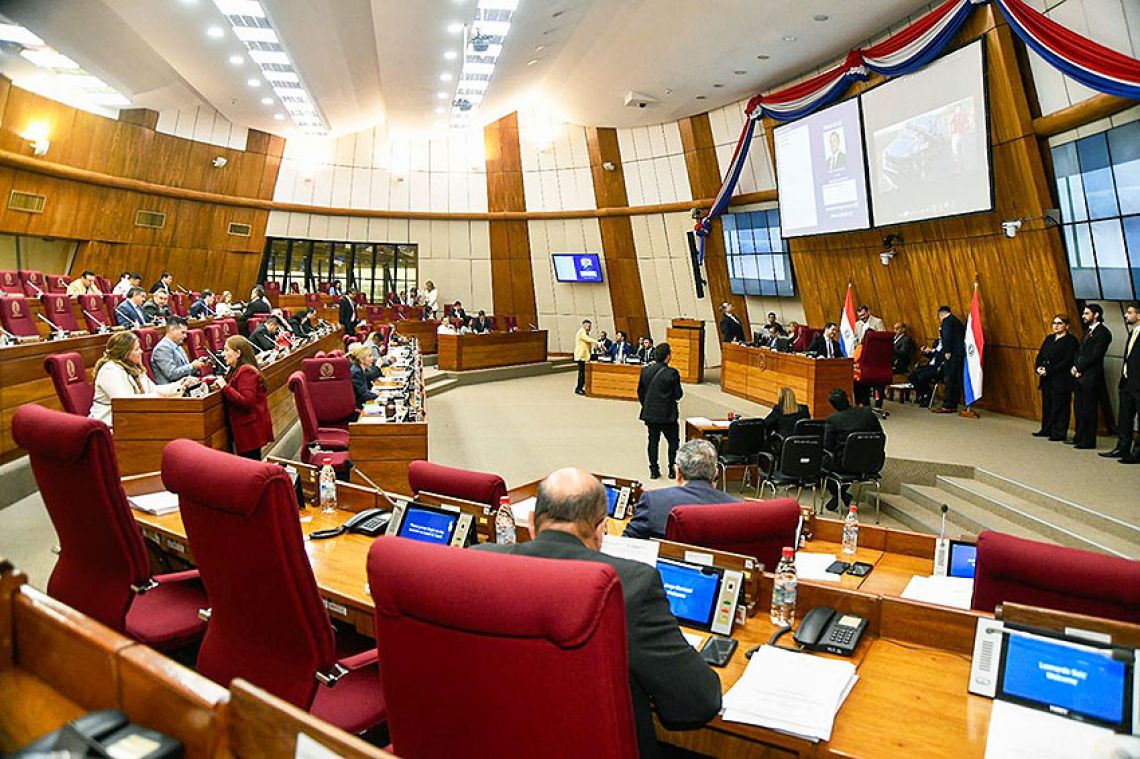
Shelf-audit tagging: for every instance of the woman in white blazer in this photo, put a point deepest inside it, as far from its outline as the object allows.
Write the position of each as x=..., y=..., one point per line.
x=119, y=372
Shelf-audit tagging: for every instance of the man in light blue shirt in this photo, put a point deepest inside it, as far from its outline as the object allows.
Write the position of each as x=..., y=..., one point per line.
x=168, y=361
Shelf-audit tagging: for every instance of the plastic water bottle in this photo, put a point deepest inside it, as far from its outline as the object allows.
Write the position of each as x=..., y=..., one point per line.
x=784, y=590
x=851, y=530
x=327, y=487
x=504, y=522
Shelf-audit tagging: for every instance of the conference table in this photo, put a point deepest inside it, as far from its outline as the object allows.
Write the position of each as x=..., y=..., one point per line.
x=458, y=353
x=757, y=374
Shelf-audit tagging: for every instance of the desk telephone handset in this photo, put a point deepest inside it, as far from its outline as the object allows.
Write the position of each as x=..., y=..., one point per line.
x=370, y=522
x=824, y=629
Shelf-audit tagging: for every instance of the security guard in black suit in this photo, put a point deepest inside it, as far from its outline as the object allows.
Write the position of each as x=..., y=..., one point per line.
x=666, y=674
x=1129, y=390
x=1088, y=370
x=952, y=335
x=1054, y=364
x=658, y=390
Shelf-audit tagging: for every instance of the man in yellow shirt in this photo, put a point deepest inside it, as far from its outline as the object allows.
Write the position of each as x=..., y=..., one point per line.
x=584, y=344
x=83, y=285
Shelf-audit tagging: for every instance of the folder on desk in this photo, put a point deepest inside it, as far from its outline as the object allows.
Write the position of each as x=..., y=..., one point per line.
x=156, y=504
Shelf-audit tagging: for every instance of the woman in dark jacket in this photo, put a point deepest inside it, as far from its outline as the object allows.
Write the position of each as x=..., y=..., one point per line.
x=782, y=419
x=245, y=396
x=1054, y=361
x=359, y=363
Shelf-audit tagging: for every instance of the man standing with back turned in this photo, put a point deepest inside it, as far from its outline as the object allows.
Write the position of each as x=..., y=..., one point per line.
x=658, y=390
x=952, y=334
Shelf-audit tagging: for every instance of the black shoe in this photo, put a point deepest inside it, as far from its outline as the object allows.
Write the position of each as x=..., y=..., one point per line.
x=1115, y=453
x=1057, y=440
x=1085, y=447
x=672, y=473
x=654, y=475
x=1129, y=460
x=579, y=392
x=1041, y=433
x=1071, y=442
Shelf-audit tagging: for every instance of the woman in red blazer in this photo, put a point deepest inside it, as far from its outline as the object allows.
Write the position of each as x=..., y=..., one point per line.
x=247, y=406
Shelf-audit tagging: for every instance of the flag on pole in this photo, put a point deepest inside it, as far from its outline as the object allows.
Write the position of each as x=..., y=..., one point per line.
x=847, y=326
x=975, y=349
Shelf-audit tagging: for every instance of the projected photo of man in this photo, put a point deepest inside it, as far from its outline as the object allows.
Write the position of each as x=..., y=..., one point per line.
x=836, y=155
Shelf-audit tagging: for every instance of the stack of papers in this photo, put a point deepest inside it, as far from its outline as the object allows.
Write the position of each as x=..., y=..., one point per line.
x=633, y=549
x=522, y=510
x=813, y=566
x=791, y=692
x=1018, y=732
x=944, y=591
x=157, y=504
x=700, y=421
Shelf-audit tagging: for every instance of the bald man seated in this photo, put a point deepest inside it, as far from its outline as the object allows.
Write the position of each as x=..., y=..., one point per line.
x=665, y=672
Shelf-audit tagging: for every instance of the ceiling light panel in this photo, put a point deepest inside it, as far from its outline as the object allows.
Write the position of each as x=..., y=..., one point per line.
x=252, y=25
x=490, y=28
x=17, y=33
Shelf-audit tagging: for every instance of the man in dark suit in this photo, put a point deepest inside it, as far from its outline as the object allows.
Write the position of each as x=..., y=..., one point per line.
x=1129, y=390
x=825, y=344
x=923, y=377
x=952, y=334
x=264, y=338
x=1088, y=369
x=666, y=674
x=347, y=311
x=203, y=308
x=731, y=330
x=457, y=312
x=696, y=475
x=129, y=313
x=305, y=324
x=903, y=351
x=645, y=352
x=165, y=283
x=258, y=304
x=157, y=307
x=658, y=390
x=481, y=323
x=837, y=427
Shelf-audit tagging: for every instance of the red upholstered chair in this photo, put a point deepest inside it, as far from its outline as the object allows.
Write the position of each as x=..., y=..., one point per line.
x=103, y=284
x=272, y=291
x=178, y=305
x=58, y=309
x=1055, y=577
x=69, y=376
x=360, y=299
x=57, y=283
x=148, y=338
x=494, y=323
x=312, y=433
x=338, y=353
x=480, y=487
x=447, y=310
x=294, y=288
x=373, y=314
x=268, y=624
x=111, y=302
x=16, y=316
x=255, y=321
x=215, y=337
x=873, y=369
x=94, y=309
x=759, y=529
x=33, y=283
x=402, y=312
x=510, y=323
x=323, y=287
x=803, y=337
x=313, y=300
x=196, y=344
x=541, y=625
x=10, y=282
x=330, y=388
x=103, y=568
x=229, y=328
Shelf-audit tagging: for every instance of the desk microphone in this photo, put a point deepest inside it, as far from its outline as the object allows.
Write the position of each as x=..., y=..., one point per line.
x=942, y=548
x=58, y=332
x=183, y=289
x=39, y=292
x=94, y=318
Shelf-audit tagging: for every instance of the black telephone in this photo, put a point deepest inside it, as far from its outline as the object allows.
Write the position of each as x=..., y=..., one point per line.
x=103, y=733
x=824, y=629
x=370, y=522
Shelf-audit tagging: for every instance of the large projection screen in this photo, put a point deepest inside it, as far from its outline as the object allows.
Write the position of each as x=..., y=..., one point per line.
x=927, y=142
x=820, y=172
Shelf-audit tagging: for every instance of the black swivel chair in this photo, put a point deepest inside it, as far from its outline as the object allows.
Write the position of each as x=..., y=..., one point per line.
x=799, y=465
x=864, y=454
x=742, y=447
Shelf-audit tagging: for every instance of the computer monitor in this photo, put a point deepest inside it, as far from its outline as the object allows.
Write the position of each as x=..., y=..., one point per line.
x=612, y=494
x=963, y=557
x=428, y=524
x=692, y=591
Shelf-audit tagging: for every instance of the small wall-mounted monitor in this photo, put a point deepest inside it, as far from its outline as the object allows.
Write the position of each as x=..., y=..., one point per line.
x=577, y=267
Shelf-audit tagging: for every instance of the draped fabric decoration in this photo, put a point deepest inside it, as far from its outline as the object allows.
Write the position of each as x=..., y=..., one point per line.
x=1093, y=65
x=919, y=43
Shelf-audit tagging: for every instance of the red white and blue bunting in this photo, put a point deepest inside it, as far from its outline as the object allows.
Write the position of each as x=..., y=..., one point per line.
x=911, y=49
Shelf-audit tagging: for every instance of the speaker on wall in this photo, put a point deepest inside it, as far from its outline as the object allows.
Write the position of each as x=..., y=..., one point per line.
x=695, y=259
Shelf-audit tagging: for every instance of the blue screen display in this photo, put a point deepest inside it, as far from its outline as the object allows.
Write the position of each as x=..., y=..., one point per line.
x=611, y=499
x=962, y=559
x=691, y=591
x=577, y=267
x=1079, y=680
x=428, y=526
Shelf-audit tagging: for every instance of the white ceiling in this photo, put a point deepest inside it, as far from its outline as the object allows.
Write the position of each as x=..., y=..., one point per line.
x=368, y=61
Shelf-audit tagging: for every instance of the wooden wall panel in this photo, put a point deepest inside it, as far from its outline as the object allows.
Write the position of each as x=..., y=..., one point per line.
x=624, y=274
x=512, y=275
x=705, y=181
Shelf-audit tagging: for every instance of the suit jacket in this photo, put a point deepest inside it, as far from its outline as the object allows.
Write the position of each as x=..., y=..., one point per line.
x=1132, y=364
x=261, y=338
x=665, y=672
x=658, y=390
x=480, y=326
x=842, y=423
x=255, y=307
x=953, y=336
x=129, y=315
x=1056, y=357
x=152, y=311
x=819, y=347
x=247, y=408
x=361, y=387
x=652, y=510
x=785, y=424
x=645, y=355
x=169, y=363
x=903, y=353
x=620, y=351
x=731, y=330
x=199, y=310
x=1090, y=358
x=347, y=313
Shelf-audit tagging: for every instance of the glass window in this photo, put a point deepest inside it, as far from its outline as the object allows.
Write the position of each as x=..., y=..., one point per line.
x=1111, y=260
x=758, y=262
x=373, y=268
x=1097, y=174
x=1124, y=147
x=1132, y=242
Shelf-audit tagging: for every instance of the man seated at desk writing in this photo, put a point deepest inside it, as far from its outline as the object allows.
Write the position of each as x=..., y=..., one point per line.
x=696, y=475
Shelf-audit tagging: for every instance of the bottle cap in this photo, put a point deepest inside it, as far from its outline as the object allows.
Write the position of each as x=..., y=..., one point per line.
x=327, y=460
x=853, y=507
x=504, y=500
x=789, y=552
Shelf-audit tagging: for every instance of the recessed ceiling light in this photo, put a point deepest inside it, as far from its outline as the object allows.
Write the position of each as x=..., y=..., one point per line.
x=445, y=77
x=789, y=38
x=450, y=55
x=700, y=97
x=556, y=14
x=454, y=27
x=532, y=61
x=763, y=57
x=278, y=117
x=540, y=48
x=740, y=72
x=718, y=85
x=820, y=17
x=441, y=95
x=237, y=60
x=439, y=110
x=216, y=32
x=253, y=82
x=267, y=101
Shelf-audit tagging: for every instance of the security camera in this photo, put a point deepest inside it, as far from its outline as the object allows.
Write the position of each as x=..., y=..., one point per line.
x=608, y=165
x=1010, y=227
x=886, y=256
x=219, y=162
x=638, y=100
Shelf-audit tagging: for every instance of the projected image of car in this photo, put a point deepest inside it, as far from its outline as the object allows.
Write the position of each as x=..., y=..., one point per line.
x=918, y=153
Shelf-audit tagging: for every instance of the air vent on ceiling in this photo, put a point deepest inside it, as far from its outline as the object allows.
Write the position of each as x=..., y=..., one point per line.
x=26, y=201
x=152, y=219
x=240, y=230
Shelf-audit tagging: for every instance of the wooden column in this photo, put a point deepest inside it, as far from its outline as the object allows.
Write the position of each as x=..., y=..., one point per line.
x=705, y=180
x=623, y=273
x=512, y=277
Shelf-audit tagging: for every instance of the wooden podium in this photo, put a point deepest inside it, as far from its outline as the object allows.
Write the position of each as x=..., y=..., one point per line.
x=687, y=339
x=757, y=374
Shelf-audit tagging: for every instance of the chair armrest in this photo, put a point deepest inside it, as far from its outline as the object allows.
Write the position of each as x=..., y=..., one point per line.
x=360, y=661
x=764, y=456
x=172, y=578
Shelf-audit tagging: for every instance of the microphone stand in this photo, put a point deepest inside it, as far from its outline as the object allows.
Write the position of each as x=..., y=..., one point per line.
x=59, y=333
x=102, y=325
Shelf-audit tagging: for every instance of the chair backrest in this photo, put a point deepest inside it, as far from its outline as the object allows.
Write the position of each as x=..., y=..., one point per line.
x=16, y=316
x=57, y=283
x=402, y=312
x=148, y=338
x=878, y=351
x=324, y=287
x=95, y=306
x=215, y=337
x=229, y=328
x=1017, y=570
x=330, y=388
x=196, y=344
x=102, y=553
x=373, y=313
x=494, y=320
x=294, y=288
x=255, y=321
x=746, y=437
x=864, y=452
x=510, y=323
x=811, y=427
x=10, y=282
x=103, y=284
x=802, y=457
x=500, y=619
x=58, y=309
x=33, y=282
x=268, y=624
x=313, y=300
x=447, y=310
x=179, y=305
x=754, y=528
x=480, y=487
x=360, y=299
x=69, y=377
x=272, y=289
x=111, y=302
x=302, y=399
x=804, y=337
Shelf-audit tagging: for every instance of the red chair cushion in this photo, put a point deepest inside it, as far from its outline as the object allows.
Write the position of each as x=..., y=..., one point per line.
x=10, y=282
x=69, y=377
x=876, y=355
x=57, y=283
x=33, y=282
x=356, y=703
x=96, y=306
x=756, y=528
x=166, y=617
x=16, y=316
x=480, y=487
x=330, y=389
x=1055, y=577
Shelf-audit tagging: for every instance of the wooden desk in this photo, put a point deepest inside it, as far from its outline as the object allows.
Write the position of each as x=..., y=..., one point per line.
x=423, y=330
x=757, y=374
x=383, y=450
x=328, y=310
x=606, y=380
x=686, y=338
x=459, y=353
x=143, y=425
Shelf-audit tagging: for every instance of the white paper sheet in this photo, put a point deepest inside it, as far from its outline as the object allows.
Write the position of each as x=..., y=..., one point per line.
x=956, y=592
x=699, y=557
x=1018, y=732
x=693, y=639
x=633, y=549
x=723, y=424
x=158, y=504
x=813, y=566
x=522, y=510
x=699, y=421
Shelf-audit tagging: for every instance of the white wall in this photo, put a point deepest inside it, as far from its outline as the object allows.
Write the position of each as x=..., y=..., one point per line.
x=202, y=124
x=726, y=124
x=653, y=164
x=555, y=163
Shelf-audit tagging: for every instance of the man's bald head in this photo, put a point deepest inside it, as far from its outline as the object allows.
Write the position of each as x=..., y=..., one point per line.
x=570, y=497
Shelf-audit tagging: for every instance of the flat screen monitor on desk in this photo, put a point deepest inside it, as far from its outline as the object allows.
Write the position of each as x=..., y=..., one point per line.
x=963, y=557
x=700, y=596
x=441, y=525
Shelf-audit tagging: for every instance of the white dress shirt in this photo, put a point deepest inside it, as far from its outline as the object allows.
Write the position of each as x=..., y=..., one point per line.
x=122, y=287
x=112, y=381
